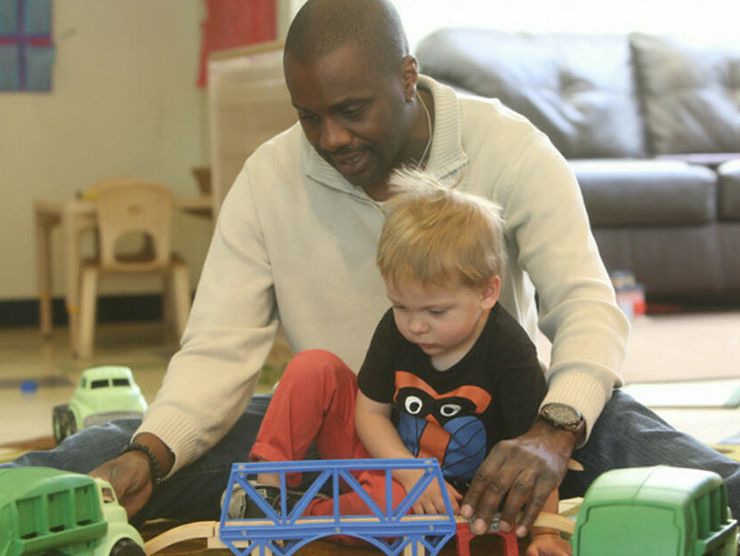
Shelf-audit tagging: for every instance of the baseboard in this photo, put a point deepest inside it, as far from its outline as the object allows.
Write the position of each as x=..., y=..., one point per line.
x=119, y=308
x=143, y=307
x=688, y=303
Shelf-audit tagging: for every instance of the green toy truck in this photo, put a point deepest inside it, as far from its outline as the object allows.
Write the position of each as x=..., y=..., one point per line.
x=102, y=394
x=46, y=511
x=656, y=511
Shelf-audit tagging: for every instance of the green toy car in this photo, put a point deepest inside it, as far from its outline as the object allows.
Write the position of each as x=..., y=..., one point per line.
x=102, y=394
x=46, y=511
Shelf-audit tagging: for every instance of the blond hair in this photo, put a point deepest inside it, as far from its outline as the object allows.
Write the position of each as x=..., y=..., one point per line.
x=438, y=236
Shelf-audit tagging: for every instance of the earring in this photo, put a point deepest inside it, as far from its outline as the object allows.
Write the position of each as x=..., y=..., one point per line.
x=409, y=100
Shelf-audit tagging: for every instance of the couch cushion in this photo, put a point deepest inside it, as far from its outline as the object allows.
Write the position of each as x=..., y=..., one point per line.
x=729, y=190
x=712, y=160
x=691, y=93
x=673, y=261
x=579, y=90
x=646, y=192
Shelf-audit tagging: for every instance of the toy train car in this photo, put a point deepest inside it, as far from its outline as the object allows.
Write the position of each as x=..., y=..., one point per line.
x=660, y=511
x=45, y=511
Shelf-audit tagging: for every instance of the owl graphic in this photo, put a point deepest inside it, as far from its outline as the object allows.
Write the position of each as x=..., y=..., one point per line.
x=442, y=426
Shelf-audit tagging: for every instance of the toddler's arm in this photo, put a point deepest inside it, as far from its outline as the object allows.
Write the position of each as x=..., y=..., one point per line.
x=545, y=541
x=376, y=430
x=381, y=440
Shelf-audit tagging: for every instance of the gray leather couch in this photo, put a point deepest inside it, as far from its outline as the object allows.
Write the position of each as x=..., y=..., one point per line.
x=651, y=126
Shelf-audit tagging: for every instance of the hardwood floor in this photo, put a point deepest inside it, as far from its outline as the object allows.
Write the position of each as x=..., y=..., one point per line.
x=666, y=345
x=28, y=359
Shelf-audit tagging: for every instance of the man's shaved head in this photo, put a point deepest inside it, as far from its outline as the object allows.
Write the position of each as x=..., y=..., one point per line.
x=322, y=26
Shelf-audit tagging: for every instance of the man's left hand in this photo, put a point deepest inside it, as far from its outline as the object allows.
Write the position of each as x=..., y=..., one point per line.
x=522, y=472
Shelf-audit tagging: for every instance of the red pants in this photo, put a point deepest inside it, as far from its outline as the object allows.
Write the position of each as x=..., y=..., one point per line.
x=315, y=402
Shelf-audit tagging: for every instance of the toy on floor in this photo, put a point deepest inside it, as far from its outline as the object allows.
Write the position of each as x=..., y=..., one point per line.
x=46, y=511
x=660, y=511
x=102, y=394
x=391, y=529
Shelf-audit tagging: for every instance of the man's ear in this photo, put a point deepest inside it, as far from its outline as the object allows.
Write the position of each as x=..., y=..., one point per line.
x=491, y=292
x=409, y=75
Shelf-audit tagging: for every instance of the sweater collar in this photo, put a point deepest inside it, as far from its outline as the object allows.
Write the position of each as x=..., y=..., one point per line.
x=446, y=157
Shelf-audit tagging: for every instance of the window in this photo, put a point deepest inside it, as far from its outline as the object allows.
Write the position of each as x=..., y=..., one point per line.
x=26, y=51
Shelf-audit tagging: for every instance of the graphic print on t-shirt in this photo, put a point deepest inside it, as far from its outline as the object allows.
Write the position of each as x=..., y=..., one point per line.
x=443, y=426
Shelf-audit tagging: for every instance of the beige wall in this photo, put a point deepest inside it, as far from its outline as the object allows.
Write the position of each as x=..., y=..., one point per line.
x=124, y=103
x=714, y=18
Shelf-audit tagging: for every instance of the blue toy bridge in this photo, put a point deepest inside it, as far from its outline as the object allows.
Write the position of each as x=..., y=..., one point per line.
x=391, y=529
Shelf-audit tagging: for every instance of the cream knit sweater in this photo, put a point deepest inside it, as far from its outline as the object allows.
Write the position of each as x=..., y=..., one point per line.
x=295, y=244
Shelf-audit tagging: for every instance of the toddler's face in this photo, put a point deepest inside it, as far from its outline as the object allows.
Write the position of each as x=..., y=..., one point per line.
x=444, y=322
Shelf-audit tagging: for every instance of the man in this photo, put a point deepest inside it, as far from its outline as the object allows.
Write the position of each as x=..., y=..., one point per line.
x=295, y=244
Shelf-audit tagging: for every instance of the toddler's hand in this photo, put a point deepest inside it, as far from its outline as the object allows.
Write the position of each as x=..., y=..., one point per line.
x=431, y=500
x=549, y=544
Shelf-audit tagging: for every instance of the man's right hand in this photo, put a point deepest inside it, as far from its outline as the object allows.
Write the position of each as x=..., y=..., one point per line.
x=130, y=476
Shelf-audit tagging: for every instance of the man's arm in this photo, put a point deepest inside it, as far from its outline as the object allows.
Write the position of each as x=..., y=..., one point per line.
x=548, y=227
x=231, y=329
x=212, y=377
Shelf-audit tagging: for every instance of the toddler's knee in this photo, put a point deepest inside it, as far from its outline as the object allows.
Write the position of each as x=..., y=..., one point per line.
x=314, y=364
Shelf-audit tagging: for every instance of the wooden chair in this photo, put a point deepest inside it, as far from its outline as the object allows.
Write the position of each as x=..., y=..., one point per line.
x=130, y=208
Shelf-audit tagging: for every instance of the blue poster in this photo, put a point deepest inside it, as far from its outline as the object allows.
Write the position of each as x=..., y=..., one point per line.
x=26, y=49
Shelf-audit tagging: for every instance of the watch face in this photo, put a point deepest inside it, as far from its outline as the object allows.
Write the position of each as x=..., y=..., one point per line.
x=561, y=414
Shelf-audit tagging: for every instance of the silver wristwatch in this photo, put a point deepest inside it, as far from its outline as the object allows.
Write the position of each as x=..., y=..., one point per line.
x=562, y=416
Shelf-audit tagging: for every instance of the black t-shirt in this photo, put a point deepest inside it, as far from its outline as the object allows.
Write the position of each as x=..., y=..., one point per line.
x=457, y=415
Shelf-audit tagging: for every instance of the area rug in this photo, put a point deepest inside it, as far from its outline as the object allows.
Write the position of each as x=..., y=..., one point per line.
x=692, y=346
x=719, y=393
x=678, y=347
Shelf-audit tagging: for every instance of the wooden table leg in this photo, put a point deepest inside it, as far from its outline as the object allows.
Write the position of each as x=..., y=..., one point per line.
x=43, y=225
x=71, y=237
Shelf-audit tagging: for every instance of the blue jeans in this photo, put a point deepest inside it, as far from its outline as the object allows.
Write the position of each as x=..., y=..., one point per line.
x=627, y=434
x=191, y=494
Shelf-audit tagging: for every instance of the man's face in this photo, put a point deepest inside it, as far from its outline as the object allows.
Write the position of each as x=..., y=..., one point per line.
x=354, y=115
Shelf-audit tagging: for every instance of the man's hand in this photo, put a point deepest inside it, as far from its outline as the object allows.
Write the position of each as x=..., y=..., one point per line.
x=130, y=477
x=130, y=474
x=522, y=472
